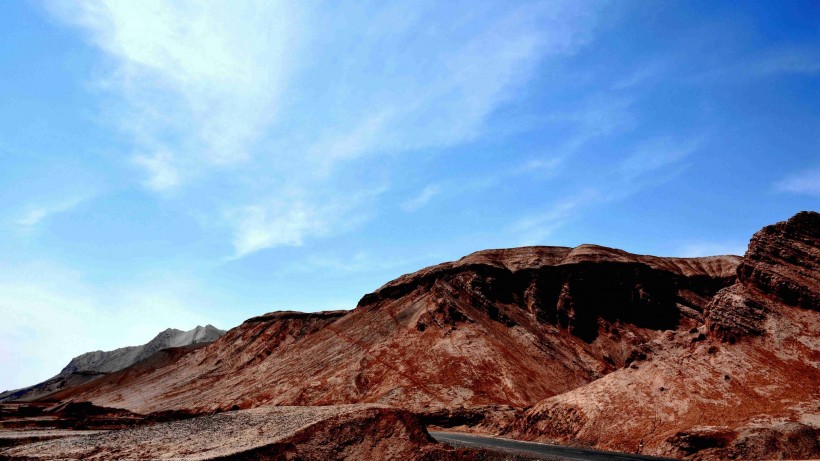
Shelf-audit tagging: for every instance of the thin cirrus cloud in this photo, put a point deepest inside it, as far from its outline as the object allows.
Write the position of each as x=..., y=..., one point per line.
x=537, y=227
x=805, y=182
x=657, y=153
x=774, y=62
x=438, y=91
x=277, y=223
x=290, y=219
x=37, y=214
x=285, y=94
x=787, y=60
x=699, y=249
x=162, y=175
x=200, y=80
x=422, y=199
x=593, y=118
x=649, y=163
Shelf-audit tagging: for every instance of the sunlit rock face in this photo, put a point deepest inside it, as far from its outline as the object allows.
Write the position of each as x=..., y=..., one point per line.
x=741, y=385
x=497, y=327
x=780, y=269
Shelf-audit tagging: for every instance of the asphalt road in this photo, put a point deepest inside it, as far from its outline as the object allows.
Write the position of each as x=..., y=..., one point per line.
x=535, y=449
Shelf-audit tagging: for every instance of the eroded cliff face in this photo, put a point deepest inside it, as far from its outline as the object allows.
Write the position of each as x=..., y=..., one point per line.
x=780, y=269
x=581, y=290
x=742, y=385
x=783, y=260
x=498, y=327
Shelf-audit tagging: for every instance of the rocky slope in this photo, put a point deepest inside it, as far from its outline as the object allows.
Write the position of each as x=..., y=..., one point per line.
x=702, y=358
x=91, y=366
x=742, y=385
x=508, y=327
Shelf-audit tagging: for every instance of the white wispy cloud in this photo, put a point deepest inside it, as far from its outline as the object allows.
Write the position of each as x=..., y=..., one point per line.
x=536, y=228
x=437, y=92
x=356, y=262
x=697, y=249
x=594, y=118
x=441, y=91
x=542, y=166
x=162, y=175
x=783, y=61
x=36, y=214
x=295, y=216
x=787, y=60
x=422, y=199
x=283, y=95
x=657, y=153
x=276, y=223
x=641, y=75
x=202, y=80
x=647, y=164
x=804, y=182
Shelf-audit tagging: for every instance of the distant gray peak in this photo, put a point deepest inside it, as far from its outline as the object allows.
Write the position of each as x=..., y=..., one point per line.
x=86, y=367
x=117, y=359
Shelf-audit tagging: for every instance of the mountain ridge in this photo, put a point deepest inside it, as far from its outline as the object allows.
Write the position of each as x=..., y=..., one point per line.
x=697, y=358
x=91, y=365
x=464, y=333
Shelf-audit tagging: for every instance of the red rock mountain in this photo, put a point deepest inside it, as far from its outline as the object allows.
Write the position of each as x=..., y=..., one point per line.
x=746, y=384
x=694, y=357
x=497, y=327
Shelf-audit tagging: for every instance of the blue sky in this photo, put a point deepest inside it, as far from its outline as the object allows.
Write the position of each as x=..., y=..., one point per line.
x=167, y=164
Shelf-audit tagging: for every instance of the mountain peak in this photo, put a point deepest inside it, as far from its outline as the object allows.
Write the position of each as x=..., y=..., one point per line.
x=89, y=366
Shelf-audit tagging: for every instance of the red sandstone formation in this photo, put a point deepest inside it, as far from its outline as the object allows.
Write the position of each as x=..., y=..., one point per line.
x=780, y=269
x=744, y=385
x=692, y=357
x=507, y=327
